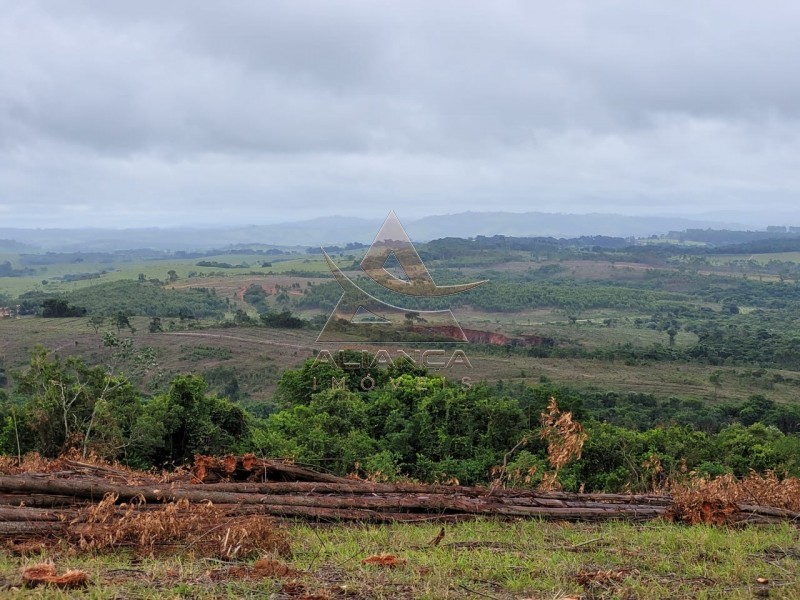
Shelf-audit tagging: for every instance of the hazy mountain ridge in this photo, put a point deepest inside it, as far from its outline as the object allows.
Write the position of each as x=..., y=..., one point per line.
x=471, y=224
x=341, y=230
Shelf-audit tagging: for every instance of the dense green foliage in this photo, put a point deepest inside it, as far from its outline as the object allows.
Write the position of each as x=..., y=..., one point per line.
x=256, y=296
x=426, y=427
x=510, y=294
x=55, y=308
x=283, y=319
x=221, y=265
x=399, y=421
x=144, y=298
x=60, y=405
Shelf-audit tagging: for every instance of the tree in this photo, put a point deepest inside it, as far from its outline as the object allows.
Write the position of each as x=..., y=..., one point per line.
x=730, y=308
x=672, y=332
x=121, y=319
x=755, y=409
x=284, y=319
x=242, y=318
x=185, y=314
x=56, y=308
x=716, y=380
x=172, y=275
x=330, y=429
x=155, y=325
x=72, y=405
x=96, y=323
x=187, y=421
x=137, y=361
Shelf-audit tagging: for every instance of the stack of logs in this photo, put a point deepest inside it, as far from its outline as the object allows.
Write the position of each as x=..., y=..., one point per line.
x=33, y=503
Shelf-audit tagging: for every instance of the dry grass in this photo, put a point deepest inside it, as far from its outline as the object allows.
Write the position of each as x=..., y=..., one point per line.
x=713, y=501
x=73, y=462
x=200, y=529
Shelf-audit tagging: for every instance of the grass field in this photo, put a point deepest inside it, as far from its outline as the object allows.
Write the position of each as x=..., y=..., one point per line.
x=152, y=269
x=128, y=268
x=479, y=559
x=760, y=258
x=259, y=356
x=590, y=330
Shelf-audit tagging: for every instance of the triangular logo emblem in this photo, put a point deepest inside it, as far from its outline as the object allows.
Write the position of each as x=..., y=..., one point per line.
x=361, y=316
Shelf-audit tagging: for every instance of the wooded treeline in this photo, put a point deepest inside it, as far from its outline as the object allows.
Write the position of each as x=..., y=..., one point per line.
x=411, y=424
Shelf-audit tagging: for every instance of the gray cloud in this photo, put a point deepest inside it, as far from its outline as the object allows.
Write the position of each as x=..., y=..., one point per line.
x=152, y=113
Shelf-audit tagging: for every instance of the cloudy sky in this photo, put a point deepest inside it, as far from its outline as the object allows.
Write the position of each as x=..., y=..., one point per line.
x=198, y=113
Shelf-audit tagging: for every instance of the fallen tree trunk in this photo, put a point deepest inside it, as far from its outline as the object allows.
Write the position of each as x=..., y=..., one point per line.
x=38, y=529
x=350, y=500
x=39, y=500
x=25, y=514
x=460, y=503
x=367, y=487
x=349, y=506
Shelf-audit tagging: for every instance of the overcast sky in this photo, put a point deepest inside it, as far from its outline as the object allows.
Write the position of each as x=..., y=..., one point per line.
x=196, y=113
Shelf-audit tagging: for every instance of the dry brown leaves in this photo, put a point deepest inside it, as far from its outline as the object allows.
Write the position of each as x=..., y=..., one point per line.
x=300, y=591
x=73, y=463
x=211, y=468
x=45, y=574
x=26, y=547
x=565, y=439
x=714, y=501
x=31, y=463
x=202, y=529
x=384, y=560
x=695, y=511
x=264, y=568
x=604, y=578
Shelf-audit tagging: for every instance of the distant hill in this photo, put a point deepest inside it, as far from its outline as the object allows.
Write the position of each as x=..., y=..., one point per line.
x=470, y=224
x=337, y=230
x=761, y=246
x=15, y=246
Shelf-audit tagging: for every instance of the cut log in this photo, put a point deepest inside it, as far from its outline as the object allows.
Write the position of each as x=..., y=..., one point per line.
x=769, y=511
x=25, y=514
x=390, y=503
x=366, y=487
x=45, y=499
x=251, y=468
x=39, y=500
x=18, y=529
